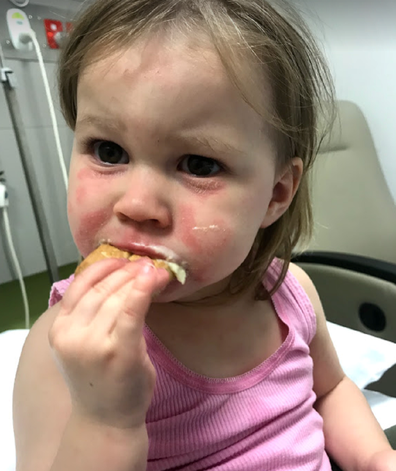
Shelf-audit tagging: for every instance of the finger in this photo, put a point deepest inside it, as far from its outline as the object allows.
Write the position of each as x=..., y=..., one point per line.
x=163, y=279
x=87, y=279
x=108, y=315
x=86, y=295
x=130, y=320
x=99, y=296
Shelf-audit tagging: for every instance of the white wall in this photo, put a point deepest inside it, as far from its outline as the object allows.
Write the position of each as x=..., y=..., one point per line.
x=38, y=128
x=359, y=40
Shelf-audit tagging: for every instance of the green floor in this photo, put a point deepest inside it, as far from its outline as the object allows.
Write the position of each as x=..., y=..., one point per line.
x=12, y=314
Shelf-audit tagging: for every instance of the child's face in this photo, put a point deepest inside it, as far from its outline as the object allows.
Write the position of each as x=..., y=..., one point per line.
x=179, y=161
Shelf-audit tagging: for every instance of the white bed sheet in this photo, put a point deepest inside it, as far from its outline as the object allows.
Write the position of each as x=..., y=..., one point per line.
x=364, y=359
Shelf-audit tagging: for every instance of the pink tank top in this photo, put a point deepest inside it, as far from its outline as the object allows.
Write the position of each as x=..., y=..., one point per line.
x=261, y=420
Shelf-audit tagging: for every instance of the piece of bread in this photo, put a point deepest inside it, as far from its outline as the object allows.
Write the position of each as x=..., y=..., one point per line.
x=109, y=251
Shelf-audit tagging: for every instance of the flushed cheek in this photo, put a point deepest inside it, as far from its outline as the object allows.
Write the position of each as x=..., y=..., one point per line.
x=212, y=259
x=88, y=211
x=187, y=236
x=87, y=185
x=86, y=227
x=80, y=187
x=81, y=195
x=206, y=244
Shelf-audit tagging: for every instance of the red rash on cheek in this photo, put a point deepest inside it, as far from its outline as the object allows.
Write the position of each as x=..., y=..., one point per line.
x=80, y=195
x=187, y=235
x=84, y=174
x=88, y=182
x=204, y=189
x=202, y=240
x=86, y=195
x=206, y=243
x=90, y=224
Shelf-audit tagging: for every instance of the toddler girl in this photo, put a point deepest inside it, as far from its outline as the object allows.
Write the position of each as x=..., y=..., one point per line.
x=195, y=128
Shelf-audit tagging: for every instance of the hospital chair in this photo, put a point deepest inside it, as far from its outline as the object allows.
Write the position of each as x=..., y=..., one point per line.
x=352, y=257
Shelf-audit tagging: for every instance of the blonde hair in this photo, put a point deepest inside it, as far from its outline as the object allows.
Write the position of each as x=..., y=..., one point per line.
x=256, y=32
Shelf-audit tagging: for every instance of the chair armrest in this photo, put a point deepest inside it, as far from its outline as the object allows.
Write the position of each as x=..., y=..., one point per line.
x=369, y=266
x=356, y=292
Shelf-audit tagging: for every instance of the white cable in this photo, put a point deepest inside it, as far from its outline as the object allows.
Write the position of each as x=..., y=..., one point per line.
x=26, y=37
x=17, y=267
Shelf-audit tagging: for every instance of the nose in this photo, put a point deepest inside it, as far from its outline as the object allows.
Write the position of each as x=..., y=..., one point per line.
x=144, y=198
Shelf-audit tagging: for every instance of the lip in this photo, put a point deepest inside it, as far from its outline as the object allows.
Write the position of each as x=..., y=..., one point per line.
x=146, y=250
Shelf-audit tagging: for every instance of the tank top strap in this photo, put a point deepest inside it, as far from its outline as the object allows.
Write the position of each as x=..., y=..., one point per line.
x=58, y=290
x=292, y=302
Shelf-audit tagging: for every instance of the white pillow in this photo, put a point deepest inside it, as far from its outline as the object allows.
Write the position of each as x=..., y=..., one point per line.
x=383, y=407
x=363, y=357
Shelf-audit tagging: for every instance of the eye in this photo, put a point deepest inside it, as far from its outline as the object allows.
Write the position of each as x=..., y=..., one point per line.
x=200, y=166
x=110, y=153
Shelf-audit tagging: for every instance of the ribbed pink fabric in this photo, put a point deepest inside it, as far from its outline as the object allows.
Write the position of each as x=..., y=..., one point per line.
x=261, y=420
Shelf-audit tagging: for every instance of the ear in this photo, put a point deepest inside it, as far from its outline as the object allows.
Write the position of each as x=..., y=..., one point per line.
x=286, y=186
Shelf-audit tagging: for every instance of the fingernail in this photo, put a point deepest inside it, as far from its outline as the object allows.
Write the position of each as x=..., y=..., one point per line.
x=148, y=268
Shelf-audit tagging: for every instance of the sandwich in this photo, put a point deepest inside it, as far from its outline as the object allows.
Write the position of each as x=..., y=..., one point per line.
x=109, y=251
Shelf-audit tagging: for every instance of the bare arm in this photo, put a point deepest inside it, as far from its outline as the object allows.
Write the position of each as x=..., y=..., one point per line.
x=47, y=435
x=353, y=436
x=84, y=381
x=88, y=446
x=41, y=402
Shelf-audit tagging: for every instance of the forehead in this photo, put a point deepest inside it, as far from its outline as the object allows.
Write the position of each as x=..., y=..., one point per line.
x=177, y=77
x=175, y=60
x=169, y=65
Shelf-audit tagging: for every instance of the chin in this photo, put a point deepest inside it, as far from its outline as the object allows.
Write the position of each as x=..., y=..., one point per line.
x=175, y=292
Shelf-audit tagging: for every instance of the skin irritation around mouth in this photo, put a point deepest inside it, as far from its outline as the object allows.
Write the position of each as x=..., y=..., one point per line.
x=203, y=241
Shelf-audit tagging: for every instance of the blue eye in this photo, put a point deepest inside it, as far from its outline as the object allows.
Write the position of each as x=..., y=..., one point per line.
x=110, y=153
x=200, y=166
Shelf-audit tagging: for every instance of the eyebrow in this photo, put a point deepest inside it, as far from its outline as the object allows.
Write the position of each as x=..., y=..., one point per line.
x=215, y=145
x=212, y=143
x=91, y=120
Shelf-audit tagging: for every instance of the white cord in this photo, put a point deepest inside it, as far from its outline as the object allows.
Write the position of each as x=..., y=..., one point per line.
x=17, y=267
x=26, y=37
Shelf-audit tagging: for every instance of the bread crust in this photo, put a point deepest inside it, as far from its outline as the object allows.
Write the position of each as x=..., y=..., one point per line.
x=109, y=251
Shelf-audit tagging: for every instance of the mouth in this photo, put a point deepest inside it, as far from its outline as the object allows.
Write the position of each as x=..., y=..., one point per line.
x=108, y=249
x=152, y=251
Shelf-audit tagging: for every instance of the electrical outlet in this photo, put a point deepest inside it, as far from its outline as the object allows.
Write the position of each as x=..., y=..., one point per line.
x=18, y=24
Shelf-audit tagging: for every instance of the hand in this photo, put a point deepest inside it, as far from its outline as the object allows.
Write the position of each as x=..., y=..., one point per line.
x=98, y=341
x=383, y=461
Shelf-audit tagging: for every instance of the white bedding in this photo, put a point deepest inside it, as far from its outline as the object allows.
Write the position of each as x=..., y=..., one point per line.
x=363, y=357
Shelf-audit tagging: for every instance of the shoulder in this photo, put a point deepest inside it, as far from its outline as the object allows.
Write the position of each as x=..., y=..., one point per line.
x=308, y=286
x=297, y=296
x=327, y=368
x=37, y=343
x=37, y=340
x=41, y=415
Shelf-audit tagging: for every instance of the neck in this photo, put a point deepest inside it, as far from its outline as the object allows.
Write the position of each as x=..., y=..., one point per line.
x=217, y=308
